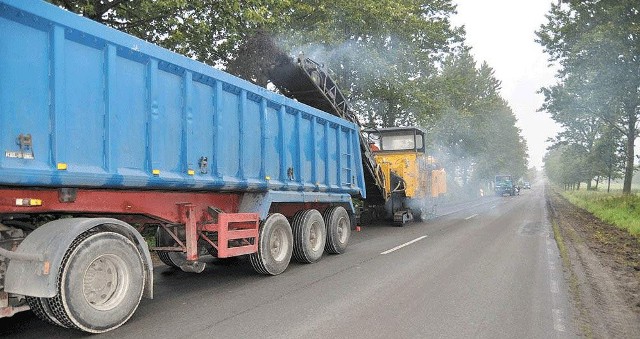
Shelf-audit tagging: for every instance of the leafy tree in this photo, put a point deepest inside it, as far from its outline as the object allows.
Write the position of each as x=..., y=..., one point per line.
x=607, y=158
x=476, y=130
x=596, y=44
x=565, y=164
x=207, y=30
x=381, y=51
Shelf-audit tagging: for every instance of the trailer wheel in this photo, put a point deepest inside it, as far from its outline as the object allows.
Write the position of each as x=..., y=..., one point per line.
x=309, y=236
x=338, y=229
x=40, y=307
x=172, y=259
x=275, y=244
x=100, y=282
x=169, y=258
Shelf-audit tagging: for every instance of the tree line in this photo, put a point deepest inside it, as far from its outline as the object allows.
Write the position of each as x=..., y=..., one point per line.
x=597, y=97
x=401, y=63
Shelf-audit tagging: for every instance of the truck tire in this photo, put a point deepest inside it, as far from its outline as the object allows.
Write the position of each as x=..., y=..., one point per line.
x=309, y=236
x=100, y=282
x=40, y=307
x=275, y=246
x=169, y=258
x=172, y=259
x=338, y=229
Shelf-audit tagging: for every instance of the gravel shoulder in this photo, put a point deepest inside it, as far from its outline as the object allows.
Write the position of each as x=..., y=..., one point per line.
x=602, y=267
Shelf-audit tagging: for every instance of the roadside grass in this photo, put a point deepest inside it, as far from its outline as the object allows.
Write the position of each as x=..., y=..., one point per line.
x=622, y=211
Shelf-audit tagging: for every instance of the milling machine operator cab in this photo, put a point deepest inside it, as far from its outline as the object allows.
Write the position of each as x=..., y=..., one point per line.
x=396, y=139
x=412, y=178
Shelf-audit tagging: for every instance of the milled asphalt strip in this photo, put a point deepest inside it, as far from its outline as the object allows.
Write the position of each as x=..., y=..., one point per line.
x=464, y=208
x=557, y=314
x=403, y=245
x=471, y=216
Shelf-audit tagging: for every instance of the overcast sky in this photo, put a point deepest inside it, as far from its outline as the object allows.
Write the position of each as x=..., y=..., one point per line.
x=501, y=32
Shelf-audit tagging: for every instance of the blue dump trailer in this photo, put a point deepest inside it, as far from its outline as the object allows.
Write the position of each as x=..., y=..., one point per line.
x=107, y=137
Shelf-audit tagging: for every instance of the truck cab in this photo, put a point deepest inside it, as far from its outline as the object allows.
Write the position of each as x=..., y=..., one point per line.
x=504, y=185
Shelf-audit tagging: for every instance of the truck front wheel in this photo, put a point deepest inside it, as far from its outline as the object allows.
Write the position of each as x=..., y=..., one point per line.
x=275, y=246
x=100, y=282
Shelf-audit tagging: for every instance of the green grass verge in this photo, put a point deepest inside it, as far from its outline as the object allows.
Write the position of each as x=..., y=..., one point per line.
x=622, y=211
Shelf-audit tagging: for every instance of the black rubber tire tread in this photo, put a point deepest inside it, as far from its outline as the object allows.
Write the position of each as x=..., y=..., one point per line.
x=70, y=316
x=56, y=307
x=261, y=260
x=302, y=251
x=40, y=307
x=163, y=239
x=332, y=216
x=212, y=251
x=164, y=255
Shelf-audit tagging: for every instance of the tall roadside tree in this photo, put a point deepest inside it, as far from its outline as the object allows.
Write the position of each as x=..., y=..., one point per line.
x=381, y=51
x=476, y=128
x=596, y=43
x=206, y=30
x=564, y=165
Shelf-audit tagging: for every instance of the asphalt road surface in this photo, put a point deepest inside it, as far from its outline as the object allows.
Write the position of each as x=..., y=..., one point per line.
x=488, y=270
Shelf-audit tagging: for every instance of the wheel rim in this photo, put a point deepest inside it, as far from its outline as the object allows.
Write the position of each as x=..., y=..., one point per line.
x=104, y=282
x=278, y=245
x=342, y=229
x=315, y=236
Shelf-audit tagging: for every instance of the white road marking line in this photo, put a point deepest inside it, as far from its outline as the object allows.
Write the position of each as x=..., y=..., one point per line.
x=558, y=322
x=554, y=287
x=471, y=216
x=403, y=245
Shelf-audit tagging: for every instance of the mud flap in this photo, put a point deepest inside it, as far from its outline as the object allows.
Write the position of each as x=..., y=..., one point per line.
x=38, y=278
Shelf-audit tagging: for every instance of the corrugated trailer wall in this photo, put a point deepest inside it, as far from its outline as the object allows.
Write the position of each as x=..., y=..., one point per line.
x=85, y=105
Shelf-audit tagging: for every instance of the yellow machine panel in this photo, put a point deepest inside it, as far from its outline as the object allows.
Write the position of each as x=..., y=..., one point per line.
x=405, y=165
x=421, y=176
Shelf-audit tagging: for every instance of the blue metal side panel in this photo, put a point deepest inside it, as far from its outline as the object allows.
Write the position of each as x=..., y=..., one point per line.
x=203, y=136
x=24, y=93
x=84, y=132
x=105, y=109
x=128, y=145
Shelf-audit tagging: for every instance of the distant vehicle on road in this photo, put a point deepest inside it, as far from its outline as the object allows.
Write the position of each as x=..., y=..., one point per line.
x=526, y=185
x=504, y=185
